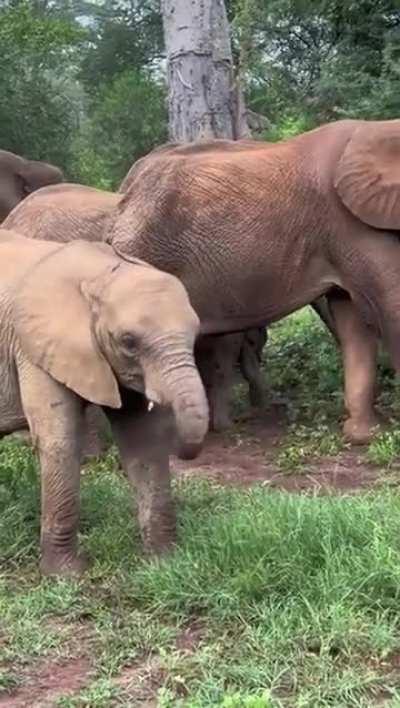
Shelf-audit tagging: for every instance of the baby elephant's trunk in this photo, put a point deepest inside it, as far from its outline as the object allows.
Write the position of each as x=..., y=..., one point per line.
x=188, y=400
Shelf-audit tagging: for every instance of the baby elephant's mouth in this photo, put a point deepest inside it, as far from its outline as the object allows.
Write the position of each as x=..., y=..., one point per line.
x=134, y=381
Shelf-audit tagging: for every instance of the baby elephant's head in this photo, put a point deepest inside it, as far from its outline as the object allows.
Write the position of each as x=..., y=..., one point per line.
x=96, y=322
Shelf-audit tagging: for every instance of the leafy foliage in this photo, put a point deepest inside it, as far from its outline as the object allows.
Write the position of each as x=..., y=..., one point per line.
x=85, y=78
x=318, y=61
x=122, y=35
x=127, y=119
x=39, y=107
x=82, y=78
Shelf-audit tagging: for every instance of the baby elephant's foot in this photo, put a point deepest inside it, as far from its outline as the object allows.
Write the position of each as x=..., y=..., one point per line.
x=159, y=534
x=361, y=432
x=63, y=565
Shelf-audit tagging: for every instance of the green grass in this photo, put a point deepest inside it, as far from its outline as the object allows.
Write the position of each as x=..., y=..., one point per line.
x=303, y=368
x=297, y=597
x=384, y=450
x=290, y=600
x=305, y=444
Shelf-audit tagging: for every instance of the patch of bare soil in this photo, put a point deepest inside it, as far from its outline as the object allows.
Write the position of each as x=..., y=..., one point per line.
x=246, y=455
x=141, y=681
x=389, y=667
x=190, y=637
x=44, y=683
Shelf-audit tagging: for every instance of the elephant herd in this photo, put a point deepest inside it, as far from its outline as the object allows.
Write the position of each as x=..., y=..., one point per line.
x=142, y=302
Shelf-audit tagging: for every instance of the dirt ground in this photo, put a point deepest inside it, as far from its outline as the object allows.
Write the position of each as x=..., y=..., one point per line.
x=242, y=456
x=245, y=455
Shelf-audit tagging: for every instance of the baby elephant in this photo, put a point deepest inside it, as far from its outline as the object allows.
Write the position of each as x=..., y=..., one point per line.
x=79, y=324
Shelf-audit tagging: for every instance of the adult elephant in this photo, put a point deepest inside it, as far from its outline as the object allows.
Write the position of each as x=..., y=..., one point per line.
x=20, y=177
x=256, y=231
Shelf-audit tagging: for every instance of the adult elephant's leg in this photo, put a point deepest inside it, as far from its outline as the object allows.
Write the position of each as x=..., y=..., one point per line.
x=321, y=307
x=54, y=415
x=144, y=442
x=359, y=352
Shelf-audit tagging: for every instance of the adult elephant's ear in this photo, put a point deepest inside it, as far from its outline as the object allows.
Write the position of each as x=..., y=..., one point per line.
x=35, y=175
x=367, y=177
x=53, y=322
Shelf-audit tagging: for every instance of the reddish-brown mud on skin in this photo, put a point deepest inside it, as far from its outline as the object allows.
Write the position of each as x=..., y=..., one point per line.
x=44, y=684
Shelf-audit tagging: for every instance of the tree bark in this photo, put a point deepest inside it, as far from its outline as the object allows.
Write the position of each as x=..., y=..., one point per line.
x=205, y=100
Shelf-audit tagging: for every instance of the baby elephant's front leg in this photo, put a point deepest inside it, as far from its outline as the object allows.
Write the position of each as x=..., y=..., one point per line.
x=54, y=415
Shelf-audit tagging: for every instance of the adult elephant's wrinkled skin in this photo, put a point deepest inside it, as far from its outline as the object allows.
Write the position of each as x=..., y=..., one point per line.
x=257, y=230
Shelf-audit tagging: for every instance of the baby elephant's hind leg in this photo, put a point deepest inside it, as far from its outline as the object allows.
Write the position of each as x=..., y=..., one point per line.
x=54, y=415
x=95, y=432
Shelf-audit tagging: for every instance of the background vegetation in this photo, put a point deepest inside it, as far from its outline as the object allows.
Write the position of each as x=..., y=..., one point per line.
x=82, y=81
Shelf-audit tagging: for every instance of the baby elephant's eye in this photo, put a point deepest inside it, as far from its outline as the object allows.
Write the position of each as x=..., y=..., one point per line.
x=128, y=340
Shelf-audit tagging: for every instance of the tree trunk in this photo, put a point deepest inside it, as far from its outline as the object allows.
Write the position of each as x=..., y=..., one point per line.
x=205, y=100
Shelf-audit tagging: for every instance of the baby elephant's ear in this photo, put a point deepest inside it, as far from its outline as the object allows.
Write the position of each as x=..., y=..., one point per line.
x=53, y=323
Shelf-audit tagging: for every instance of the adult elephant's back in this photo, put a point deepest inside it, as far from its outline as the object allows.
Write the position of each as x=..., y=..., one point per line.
x=65, y=212
x=149, y=163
